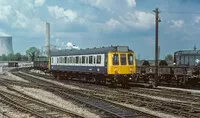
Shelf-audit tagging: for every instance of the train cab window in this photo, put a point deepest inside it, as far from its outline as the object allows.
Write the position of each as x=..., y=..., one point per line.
x=98, y=59
x=65, y=59
x=115, y=59
x=90, y=59
x=130, y=59
x=83, y=59
x=123, y=59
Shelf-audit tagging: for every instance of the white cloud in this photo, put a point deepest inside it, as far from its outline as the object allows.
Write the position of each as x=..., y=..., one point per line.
x=197, y=19
x=110, y=5
x=5, y=12
x=39, y=2
x=3, y=33
x=21, y=20
x=112, y=23
x=138, y=19
x=61, y=13
x=177, y=23
x=131, y=3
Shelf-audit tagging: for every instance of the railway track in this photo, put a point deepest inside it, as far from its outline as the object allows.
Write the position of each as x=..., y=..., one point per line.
x=108, y=108
x=185, y=109
x=34, y=107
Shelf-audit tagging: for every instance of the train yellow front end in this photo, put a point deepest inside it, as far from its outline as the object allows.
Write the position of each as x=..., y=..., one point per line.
x=121, y=67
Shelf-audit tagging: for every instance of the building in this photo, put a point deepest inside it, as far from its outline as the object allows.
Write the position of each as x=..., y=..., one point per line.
x=6, y=45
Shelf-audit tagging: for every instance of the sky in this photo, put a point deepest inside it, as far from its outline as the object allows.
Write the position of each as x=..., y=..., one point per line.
x=97, y=23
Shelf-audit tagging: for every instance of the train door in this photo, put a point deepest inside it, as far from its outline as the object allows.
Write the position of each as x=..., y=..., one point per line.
x=123, y=64
x=114, y=63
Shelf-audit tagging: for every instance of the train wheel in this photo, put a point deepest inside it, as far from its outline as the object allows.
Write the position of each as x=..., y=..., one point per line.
x=125, y=83
x=152, y=82
x=111, y=83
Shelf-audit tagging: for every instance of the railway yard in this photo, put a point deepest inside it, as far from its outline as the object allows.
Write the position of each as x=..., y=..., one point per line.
x=32, y=94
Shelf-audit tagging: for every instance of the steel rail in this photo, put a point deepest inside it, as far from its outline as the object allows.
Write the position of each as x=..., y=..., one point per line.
x=113, y=109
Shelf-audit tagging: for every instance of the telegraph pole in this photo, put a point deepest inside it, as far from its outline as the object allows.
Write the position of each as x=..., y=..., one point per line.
x=157, y=20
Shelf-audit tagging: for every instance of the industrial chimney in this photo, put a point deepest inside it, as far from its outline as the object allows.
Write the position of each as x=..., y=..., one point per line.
x=47, y=39
x=6, y=45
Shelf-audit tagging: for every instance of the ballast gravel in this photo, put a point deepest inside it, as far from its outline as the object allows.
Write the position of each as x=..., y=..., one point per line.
x=7, y=111
x=55, y=100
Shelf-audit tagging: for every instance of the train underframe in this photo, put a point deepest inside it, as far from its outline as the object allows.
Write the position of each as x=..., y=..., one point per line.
x=171, y=76
x=97, y=78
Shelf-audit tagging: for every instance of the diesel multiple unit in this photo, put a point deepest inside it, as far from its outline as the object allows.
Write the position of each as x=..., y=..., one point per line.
x=115, y=64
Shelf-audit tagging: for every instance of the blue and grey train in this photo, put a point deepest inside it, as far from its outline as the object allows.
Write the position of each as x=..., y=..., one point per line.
x=115, y=64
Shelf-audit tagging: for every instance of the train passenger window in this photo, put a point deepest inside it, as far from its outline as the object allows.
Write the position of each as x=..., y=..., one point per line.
x=123, y=59
x=68, y=60
x=83, y=59
x=61, y=59
x=94, y=59
x=90, y=59
x=130, y=59
x=79, y=60
x=52, y=60
x=57, y=60
x=71, y=59
x=87, y=60
x=76, y=59
x=99, y=59
x=115, y=59
x=65, y=59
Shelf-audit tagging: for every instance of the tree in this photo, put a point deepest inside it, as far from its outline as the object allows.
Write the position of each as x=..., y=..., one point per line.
x=24, y=58
x=18, y=57
x=11, y=57
x=4, y=57
x=169, y=57
x=32, y=52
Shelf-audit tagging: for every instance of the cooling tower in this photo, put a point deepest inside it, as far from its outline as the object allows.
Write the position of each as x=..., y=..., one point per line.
x=6, y=45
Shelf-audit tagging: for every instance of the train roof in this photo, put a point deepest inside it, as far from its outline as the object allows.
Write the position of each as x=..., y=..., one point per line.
x=102, y=50
x=188, y=52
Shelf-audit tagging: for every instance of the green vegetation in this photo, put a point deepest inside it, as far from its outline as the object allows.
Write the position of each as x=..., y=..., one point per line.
x=32, y=52
x=14, y=57
x=169, y=57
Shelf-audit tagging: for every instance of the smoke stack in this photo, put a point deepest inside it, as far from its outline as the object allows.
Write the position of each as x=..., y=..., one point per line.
x=48, y=39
